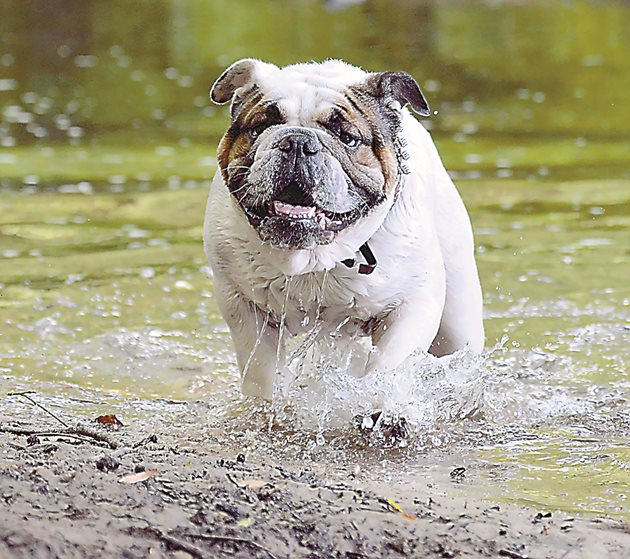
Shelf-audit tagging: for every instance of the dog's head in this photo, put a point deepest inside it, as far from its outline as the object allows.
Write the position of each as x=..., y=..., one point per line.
x=312, y=148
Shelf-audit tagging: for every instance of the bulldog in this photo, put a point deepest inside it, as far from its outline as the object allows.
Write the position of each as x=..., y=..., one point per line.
x=331, y=209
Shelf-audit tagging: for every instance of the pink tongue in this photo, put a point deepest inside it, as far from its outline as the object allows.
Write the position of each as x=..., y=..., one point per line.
x=280, y=208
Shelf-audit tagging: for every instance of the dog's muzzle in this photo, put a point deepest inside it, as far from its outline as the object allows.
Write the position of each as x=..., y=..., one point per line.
x=303, y=197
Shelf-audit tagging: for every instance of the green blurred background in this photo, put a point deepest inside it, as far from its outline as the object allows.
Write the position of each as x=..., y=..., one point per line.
x=107, y=148
x=549, y=80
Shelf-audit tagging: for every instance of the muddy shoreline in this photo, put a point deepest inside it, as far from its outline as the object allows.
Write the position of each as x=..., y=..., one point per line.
x=168, y=494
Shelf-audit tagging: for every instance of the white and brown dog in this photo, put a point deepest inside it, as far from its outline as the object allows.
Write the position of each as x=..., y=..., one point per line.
x=331, y=207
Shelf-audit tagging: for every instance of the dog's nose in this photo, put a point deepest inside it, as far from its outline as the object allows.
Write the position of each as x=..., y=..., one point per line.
x=299, y=144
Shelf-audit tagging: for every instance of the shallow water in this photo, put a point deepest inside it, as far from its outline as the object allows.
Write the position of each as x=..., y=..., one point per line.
x=106, y=301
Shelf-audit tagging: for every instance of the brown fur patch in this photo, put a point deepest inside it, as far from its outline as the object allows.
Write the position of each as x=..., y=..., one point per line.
x=367, y=116
x=235, y=146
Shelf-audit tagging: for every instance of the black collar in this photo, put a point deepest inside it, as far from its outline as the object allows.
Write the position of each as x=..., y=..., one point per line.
x=367, y=253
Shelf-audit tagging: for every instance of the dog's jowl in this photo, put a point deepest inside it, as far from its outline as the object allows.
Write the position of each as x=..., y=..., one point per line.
x=331, y=206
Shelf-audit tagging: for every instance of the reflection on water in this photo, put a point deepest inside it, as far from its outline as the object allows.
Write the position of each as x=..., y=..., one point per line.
x=107, y=146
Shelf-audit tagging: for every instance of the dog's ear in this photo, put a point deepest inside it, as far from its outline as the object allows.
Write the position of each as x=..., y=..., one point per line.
x=399, y=86
x=240, y=75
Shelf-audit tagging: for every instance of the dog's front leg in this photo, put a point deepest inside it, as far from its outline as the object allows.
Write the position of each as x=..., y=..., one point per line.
x=256, y=337
x=409, y=327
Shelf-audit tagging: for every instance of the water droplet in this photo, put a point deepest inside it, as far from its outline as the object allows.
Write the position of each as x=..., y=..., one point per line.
x=591, y=60
x=64, y=51
x=185, y=81
x=62, y=121
x=117, y=179
x=75, y=132
x=171, y=73
x=115, y=51
x=522, y=93
x=539, y=97
x=8, y=84
x=85, y=61
x=31, y=179
x=179, y=315
x=468, y=106
x=207, y=162
x=164, y=151
x=472, y=158
x=432, y=86
x=7, y=158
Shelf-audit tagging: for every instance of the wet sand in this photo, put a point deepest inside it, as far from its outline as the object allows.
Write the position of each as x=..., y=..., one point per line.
x=76, y=496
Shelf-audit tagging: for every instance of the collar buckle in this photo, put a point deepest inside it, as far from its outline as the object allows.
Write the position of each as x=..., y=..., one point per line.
x=370, y=260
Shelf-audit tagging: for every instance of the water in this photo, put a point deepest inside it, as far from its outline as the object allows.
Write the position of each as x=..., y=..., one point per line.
x=107, y=148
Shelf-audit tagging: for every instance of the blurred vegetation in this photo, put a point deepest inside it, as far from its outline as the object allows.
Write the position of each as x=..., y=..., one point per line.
x=128, y=76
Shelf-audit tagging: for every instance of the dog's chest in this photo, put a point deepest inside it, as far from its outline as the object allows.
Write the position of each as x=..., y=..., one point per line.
x=301, y=301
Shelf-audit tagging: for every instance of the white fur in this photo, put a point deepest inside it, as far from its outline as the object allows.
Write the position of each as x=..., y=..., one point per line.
x=425, y=284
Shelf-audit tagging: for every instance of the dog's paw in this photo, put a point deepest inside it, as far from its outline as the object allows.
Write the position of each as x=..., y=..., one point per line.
x=394, y=429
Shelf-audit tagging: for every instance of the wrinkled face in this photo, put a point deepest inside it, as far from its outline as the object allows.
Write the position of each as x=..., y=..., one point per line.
x=306, y=161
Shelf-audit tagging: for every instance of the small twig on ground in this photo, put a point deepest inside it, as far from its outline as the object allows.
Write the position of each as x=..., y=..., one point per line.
x=216, y=538
x=93, y=434
x=171, y=542
x=25, y=395
x=79, y=432
x=233, y=481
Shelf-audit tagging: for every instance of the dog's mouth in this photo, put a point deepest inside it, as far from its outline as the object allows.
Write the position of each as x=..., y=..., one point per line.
x=293, y=206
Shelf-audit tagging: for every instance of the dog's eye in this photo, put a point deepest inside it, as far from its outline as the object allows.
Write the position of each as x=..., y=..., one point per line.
x=348, y=139
x=345, y=137
x=257, y=130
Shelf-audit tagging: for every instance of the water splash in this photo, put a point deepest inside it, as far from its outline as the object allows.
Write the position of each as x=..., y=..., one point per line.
x=473, y=399
x=317, y=390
